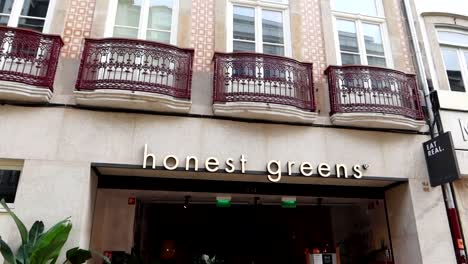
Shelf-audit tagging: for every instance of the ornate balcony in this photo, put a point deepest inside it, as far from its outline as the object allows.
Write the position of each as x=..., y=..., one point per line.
x=259, y=86
x=135, y=74
x=28, y=61
x=368, y=96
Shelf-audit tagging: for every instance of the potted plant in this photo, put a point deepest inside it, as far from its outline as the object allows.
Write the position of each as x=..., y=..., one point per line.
x=39, y=247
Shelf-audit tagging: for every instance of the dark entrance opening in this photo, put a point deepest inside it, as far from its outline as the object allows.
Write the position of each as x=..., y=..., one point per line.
x=239, y=234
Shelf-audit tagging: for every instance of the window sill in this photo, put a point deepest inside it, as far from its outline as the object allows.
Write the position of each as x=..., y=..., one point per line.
x=10, y=205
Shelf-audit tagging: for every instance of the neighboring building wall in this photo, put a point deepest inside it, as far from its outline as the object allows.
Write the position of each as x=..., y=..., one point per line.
x=430, y=15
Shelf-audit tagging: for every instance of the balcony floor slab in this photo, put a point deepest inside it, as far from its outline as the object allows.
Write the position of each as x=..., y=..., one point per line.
x=377, y=120
x=23, y=93
x=134, y=100
x=264, y=111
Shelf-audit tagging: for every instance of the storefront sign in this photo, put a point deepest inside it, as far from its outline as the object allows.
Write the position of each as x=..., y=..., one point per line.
x=441, y=160
x=464, y=128
x=274, y=168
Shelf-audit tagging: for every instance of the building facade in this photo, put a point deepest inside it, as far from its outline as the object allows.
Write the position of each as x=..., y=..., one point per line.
x=120, y=113
x=443, y=38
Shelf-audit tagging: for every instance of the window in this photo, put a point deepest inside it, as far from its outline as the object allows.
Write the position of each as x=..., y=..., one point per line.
x=8, y=184
x=261, y=27
x=454, y=48
x=30, y=14
x=360, y=33
x=154, y=20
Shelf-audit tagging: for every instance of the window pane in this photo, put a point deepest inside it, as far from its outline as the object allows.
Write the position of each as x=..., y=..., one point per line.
x=466, y=59
x=5, y=6
x=272, y=26
x=376, y=61
x=4, y=20
x=128, y=13
x=364, y=7
x=244, y=23
x=273, y=50
x=452, y=66
x=373, y=39
x=35, y=8
x=453, y=38
x=158, y=36
x=121, y=32
x=9, y=184
x=347, y=58
x=243, y=46
x=347, y=35
x=31, y=23
x=160, y=14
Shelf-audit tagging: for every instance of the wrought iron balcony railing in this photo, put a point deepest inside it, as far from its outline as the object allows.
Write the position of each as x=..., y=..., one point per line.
x=251, y=77
x=356, y=88
x=28, y=57
x=135, y=65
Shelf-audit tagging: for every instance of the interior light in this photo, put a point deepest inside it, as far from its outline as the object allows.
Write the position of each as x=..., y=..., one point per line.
x=288, y=202
x=223, y=201
x=186, y=203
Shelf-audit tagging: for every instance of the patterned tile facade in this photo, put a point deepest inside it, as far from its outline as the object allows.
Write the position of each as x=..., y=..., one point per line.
x=311, y=30
x=79, y=21
x=202, y=34
x=403, y=39
x=78, y=25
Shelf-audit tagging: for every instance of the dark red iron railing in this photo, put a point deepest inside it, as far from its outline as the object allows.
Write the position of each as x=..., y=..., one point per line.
x=356, y=88
x=28, y=56
x=135, y=65
x=251, y=77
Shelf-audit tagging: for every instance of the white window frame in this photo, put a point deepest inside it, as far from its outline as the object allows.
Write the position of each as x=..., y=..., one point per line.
x=15, y=15
x=460, y=49
x=359, y=20
x=143, y=23
x=258, y=6
x=7, y=164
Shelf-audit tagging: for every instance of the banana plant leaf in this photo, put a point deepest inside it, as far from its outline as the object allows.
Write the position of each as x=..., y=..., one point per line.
x=21, y=227
x=78, y=256
x=24, y=251
x=6, y=252
x=50, y=244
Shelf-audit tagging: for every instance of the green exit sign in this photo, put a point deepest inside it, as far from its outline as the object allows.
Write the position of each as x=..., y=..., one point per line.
x=223, y=202
x=288, y=202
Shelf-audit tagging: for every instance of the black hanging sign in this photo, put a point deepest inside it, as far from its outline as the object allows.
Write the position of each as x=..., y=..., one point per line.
x=441, y=160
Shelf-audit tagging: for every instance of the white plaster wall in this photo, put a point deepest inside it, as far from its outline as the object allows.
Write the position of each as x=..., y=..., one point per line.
x=52, y=191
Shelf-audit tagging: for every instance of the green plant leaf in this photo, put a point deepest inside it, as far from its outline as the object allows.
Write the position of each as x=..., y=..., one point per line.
x=6, y=252
x=35, y=232
x=21, y=227
x=50, y=244
x=78, y=255
x=24, y=251
x=22, y=255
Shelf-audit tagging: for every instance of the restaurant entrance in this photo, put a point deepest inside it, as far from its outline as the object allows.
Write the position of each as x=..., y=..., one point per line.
x=233, y=228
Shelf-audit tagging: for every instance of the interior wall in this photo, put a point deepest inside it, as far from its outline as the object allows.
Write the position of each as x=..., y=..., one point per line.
x=366, y=220
x=113, y=221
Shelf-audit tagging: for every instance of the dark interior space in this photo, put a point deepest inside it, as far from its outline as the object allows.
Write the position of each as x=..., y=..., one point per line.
x=263, y=234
